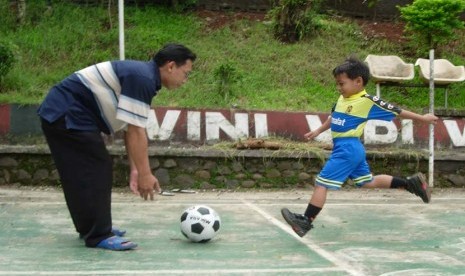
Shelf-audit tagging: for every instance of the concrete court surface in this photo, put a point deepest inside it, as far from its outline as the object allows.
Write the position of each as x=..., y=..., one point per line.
x=360, y=232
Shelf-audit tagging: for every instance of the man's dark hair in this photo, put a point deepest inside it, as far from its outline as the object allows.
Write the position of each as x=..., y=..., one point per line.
x=173, y=52
x=353, y=68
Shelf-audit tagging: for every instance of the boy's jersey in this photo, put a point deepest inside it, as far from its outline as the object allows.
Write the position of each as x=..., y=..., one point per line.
x=350, y=115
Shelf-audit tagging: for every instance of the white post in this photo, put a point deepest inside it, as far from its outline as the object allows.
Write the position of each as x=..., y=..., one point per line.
x=431, y=126
x=121, y=28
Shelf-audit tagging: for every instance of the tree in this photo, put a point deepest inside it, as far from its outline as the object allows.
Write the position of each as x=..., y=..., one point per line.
x=20, y=8
x=295, y=19
x=432, y=23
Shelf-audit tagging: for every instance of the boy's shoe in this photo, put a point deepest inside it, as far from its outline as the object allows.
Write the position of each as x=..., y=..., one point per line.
x=299, y=223
x=417, y=185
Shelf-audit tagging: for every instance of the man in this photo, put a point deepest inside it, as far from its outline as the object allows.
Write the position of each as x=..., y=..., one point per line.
x=106, y=97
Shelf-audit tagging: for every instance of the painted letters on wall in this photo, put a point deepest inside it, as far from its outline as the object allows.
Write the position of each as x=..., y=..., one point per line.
x=200, y=126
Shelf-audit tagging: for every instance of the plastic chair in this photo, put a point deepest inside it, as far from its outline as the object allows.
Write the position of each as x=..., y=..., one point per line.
x=444, y=73
x=389, y=69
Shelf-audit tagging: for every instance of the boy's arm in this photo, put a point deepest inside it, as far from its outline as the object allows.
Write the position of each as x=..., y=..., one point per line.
x=426, y=118
x=325, y=126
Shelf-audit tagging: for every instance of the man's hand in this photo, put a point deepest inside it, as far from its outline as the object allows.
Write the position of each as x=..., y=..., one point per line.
x=146, y=185
x=133, y=177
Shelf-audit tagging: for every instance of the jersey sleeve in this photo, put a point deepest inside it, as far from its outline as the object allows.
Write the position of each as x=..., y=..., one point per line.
x=382, y=110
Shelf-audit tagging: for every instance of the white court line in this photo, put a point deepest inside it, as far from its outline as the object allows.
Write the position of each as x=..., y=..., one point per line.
x=229, y=203
x=309, y=243
x=170, y=271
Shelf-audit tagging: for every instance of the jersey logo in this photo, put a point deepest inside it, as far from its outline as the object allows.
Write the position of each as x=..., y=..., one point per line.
x=349, y=109
x=338, y=121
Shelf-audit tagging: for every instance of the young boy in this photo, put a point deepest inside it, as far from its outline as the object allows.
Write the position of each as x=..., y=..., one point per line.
x=348, y=160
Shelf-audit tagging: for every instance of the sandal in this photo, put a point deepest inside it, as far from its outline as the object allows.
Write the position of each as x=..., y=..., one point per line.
x=116, y=231
x=116, y=243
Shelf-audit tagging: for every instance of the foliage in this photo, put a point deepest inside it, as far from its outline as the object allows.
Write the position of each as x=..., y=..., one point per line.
x=184, y=5
x=273, y=75
x=294, y=20
x=7, y=58
x=432, y=23
x=226, y=76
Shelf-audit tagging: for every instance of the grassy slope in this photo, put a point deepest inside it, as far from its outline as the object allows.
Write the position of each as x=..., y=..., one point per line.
x=274, y=76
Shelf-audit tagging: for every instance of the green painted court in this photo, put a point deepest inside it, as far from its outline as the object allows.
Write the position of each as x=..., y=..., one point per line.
x=359, y=232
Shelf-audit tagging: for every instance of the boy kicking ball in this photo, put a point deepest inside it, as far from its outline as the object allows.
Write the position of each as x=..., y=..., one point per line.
x=348, y=159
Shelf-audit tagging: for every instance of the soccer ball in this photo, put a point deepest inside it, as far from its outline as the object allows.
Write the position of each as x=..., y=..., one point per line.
x=200, y=223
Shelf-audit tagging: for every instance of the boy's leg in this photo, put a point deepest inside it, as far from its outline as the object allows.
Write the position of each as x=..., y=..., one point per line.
x=415, y=184
x=346, y=157
x=381, y=181
x=301, y=224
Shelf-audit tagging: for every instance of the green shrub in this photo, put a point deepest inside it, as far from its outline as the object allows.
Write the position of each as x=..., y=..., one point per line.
x=432, y=23
x=226, y=76
x=294, y=20
x=7, y=58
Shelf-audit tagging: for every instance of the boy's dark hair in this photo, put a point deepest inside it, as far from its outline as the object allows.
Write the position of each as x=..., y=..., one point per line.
x=353, y=68
x=173, y=52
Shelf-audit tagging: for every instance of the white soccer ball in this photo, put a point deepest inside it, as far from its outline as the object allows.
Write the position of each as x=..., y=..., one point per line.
x=200, y=223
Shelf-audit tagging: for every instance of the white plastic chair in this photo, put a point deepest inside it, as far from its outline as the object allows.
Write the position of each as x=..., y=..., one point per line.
x=389, y=69
x=444, y=73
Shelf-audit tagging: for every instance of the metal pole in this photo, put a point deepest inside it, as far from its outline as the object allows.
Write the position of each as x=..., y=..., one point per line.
x=121, y=28
x=431, y=126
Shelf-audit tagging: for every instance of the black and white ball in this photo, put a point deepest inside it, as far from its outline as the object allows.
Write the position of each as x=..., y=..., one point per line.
x=200, y=223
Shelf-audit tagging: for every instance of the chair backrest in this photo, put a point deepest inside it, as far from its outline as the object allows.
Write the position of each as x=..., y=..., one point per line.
x=444, y=71
x=389, y=68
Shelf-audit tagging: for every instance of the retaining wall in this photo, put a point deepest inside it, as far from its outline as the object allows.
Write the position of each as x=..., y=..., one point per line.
x=209, y=168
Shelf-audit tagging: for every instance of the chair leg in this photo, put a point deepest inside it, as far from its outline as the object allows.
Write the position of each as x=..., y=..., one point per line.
x=445, y=97
x=378, y=90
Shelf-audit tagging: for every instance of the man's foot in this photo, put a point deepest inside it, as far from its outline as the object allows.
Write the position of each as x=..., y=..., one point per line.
x=418, y=185
x=116, y=243
x=116, y=231
x=299, y=223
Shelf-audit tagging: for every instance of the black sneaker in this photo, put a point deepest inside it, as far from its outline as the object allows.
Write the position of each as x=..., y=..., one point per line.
x=418, y=185
x=300, y=223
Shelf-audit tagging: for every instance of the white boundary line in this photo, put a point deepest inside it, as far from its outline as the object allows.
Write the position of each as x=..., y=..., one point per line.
x=309, y=243
x=232, y=202
x=171, y=271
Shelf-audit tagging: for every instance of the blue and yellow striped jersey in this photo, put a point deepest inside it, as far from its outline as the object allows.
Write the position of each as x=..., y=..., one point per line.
x=350, y=115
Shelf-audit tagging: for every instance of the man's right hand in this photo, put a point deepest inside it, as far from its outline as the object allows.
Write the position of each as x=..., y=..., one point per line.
x=146, y=186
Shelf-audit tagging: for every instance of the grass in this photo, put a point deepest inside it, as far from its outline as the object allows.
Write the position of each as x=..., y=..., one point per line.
x=270, y=75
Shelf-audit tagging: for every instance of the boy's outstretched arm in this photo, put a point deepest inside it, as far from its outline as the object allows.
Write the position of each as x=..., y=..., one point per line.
x=426, y=118
x=325, y=126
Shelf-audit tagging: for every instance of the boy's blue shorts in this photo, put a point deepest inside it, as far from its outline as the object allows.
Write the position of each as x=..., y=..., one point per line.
x=348, y=160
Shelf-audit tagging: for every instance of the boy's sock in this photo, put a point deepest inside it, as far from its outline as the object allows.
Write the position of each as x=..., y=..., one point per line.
x=398, y=182
x=312, y=211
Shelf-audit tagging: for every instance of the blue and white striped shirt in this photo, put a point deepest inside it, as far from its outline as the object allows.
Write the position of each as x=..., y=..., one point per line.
x=104, y=97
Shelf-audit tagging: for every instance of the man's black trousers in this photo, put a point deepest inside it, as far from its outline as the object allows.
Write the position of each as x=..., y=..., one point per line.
x=86, y=172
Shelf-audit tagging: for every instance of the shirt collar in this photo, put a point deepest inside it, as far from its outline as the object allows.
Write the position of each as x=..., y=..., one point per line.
x=358, y=95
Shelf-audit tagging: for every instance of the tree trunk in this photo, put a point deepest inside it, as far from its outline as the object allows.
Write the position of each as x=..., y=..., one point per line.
x=20, y=11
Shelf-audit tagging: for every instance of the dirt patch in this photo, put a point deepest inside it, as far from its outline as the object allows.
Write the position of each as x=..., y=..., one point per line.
x=213, y=20
x=218, y=19
x=392, y=31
